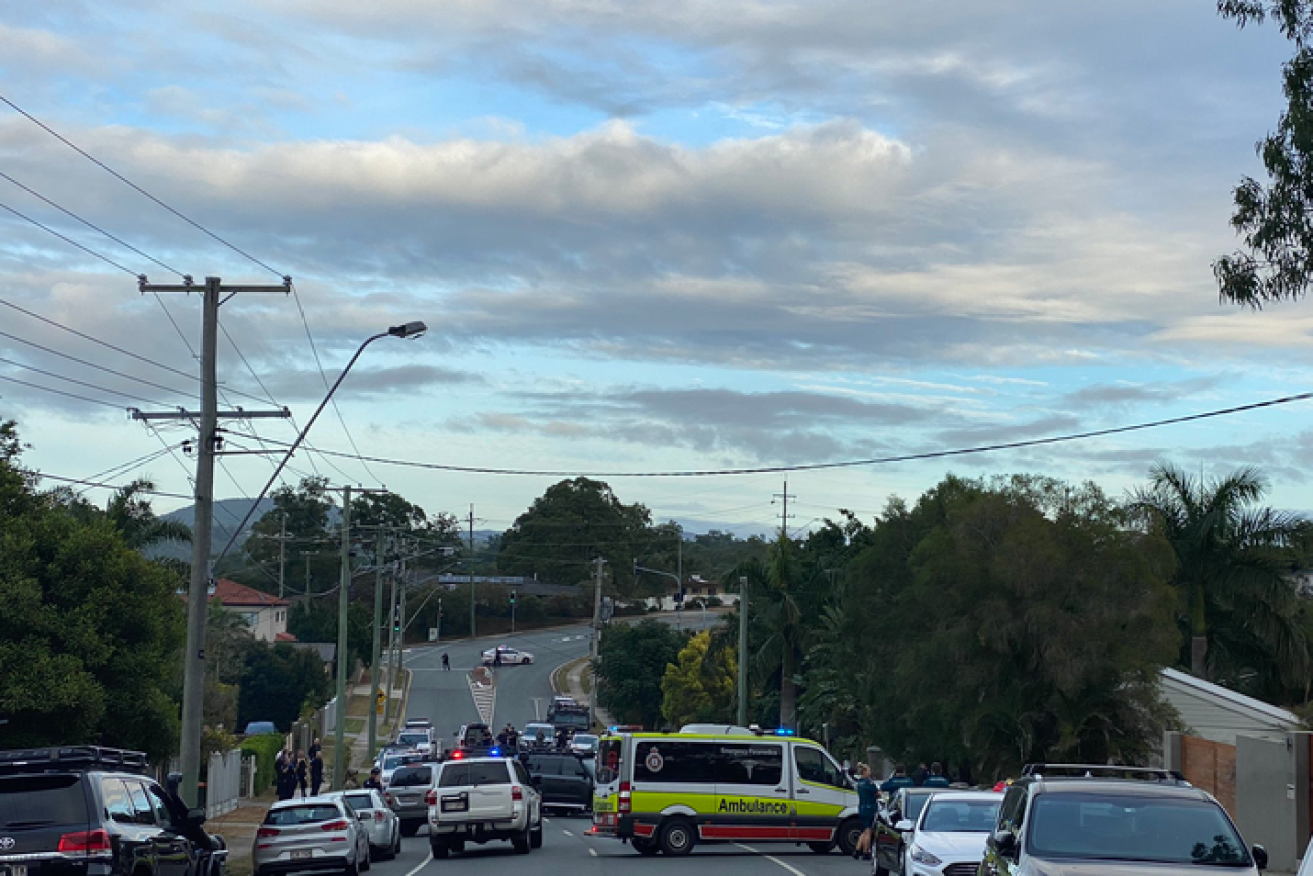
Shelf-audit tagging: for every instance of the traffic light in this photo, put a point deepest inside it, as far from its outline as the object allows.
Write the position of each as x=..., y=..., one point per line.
x=396, y=619
x=512, y=597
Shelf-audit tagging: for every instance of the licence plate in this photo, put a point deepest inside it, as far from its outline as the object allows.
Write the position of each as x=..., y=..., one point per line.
x=14, y=870
x=455, y=804
x=299, y=854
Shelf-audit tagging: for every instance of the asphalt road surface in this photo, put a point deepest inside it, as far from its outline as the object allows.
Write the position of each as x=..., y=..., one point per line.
x=566, y=851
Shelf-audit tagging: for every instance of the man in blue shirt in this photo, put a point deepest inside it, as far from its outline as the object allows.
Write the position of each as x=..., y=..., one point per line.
x=936, y=779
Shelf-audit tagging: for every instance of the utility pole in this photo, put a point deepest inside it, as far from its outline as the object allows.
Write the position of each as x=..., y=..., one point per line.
x=282, y=554
x=207, y=445
x=512, y=611
x=784, y=517
x=473, y=632
x=392, y=649
x=374, y=675
x=679, y=570
x=743, y=650
x=343, y=604
x=595, y=700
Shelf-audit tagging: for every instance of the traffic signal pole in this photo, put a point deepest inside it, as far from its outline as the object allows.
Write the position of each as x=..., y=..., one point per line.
x=512, y=612
x=375, y=675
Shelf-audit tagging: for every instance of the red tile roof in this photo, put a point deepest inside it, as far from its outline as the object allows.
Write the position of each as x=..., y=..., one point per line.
x=284, y=637
x=229, y=593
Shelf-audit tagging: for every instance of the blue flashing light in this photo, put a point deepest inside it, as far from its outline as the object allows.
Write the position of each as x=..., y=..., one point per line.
x=496, y=752
x=784, y=731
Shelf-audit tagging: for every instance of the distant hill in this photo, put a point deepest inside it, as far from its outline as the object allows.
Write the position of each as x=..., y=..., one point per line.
x=227, y=514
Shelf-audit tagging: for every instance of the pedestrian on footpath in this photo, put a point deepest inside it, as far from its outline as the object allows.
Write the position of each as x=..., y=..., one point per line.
x=315, y=748
x=316, y=773
x=302, y=773
x=287, y=778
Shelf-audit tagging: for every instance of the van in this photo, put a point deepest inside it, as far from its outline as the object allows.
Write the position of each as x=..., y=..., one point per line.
x=666, y=792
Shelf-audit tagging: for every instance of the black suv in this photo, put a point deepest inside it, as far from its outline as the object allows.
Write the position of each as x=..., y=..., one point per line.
x=565, y=782
x=1113, y=820
x=90, y=811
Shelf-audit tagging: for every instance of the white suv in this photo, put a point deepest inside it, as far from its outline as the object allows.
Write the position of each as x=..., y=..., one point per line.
x=480, y=799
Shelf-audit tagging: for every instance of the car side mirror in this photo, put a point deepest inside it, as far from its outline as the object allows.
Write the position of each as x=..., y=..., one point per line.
x=196, y=817
x=1004, y=842
x=1260, y=857
x=903, y=826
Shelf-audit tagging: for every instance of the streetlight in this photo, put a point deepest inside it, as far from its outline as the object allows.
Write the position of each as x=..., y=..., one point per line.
x=405, y=330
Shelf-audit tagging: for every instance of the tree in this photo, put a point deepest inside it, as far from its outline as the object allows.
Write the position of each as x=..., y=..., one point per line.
x=570, y=524
x=132, y=515
x=1276, y=221
x=279, y=682
x=1237, y=603
x=311, y=550
x=91, y=632
x=631, y=665
x=699, y=686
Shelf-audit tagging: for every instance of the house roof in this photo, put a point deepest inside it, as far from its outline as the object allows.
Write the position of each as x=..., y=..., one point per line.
x=1230, y=710
x=230, y=593
x=284, y=637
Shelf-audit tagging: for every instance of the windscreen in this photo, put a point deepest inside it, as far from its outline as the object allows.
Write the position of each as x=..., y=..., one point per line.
x=413, y=739
x=38, y=801
x=410, y=777
x=360, y=801
x=960, y=816
x=1113, y=827
x=294, y=815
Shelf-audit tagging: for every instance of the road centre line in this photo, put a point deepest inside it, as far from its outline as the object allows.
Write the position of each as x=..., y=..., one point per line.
x=566, y=832
x=792, y=869
x=592, y=852
x=422, y=864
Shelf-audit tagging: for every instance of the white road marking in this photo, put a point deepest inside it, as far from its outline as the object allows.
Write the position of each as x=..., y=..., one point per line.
x=792, y=869
x=593, y=852
x=566, y=832
x=422, y=864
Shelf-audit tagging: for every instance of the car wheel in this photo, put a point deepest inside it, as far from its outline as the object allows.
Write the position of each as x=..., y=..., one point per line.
x=645, y=847
x=850, y=831
x=820, y=848
x=525, y=662
x=677, y=837
x=396, y=840
x=367, y=862
x=439, y=848
x=352, y=869
x=881, y=871
x=523, y=842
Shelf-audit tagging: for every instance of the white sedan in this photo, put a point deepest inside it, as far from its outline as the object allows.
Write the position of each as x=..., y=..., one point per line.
x=951, y=830
x=508, y=655
x=377, y=820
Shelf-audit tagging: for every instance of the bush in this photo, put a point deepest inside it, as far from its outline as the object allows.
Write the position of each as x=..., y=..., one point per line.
x=265, y=748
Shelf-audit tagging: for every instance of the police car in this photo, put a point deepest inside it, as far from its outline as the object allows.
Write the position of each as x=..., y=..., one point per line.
x=667, y=792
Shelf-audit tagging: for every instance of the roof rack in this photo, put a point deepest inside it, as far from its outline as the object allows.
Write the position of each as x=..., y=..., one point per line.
x=1100, y=771
x=74, y=757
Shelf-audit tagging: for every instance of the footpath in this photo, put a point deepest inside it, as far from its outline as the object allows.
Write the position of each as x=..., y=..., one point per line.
x=575, y=679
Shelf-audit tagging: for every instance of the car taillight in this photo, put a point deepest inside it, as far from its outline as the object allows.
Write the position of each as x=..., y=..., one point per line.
x=624, y=798
x=378, y=814
x=335, y=825
x=387, y=798
x=267, y=832
x=85, y=841
x=517, y=793
x=431, y=798
x=457, y=755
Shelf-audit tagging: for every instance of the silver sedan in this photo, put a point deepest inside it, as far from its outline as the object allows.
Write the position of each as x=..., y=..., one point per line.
x=312, y=834
x=377, y=818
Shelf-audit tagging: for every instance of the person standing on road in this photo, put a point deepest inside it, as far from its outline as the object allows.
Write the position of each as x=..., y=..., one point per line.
x=316, y=772
x=899, y=779
x=302, y=773
x=936, y=779
x=868, y=803
x=375, y=779
x=446, y=661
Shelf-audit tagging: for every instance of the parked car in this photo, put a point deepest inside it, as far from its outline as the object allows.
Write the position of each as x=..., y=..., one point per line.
x=406, y=795
x=382, y=827
x=259, y=728
x=949, y=835
x=391, y=761
x=310, y=834
x=893, y=828
x=537, y=736
x=61, y=808
x=1114, y=821
x=562, y=780
x=508, y=654
x=418, y=739
x=584, y=744
x=481, y=799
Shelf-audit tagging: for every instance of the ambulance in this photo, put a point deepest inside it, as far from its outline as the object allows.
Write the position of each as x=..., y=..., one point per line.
x=667, y=792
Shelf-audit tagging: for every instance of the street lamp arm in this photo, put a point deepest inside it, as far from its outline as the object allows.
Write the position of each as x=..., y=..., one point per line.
x=408, y=330
x=672, y=575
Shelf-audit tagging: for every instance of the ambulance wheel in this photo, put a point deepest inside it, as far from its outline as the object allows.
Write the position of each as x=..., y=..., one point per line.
x=645, y=847
x=849, y=833
x=677, y=837
x=820, y=848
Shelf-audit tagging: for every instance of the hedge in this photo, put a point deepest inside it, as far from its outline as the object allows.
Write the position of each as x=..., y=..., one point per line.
x=265, y=748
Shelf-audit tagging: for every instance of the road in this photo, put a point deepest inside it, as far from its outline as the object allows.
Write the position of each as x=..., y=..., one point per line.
x=444, y=697
x=567, y=852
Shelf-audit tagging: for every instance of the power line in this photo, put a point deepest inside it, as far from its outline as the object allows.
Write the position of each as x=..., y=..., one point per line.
x=83, y=383
x=104, y=368
x=125, y=467
x=852, y=463
x=94, y=401
x=86, y=249
x=89, y=224
x=90, y=483
x=118, y=349
x=123, y=179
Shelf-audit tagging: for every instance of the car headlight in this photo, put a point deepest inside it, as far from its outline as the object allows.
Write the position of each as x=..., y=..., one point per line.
x=921, y=856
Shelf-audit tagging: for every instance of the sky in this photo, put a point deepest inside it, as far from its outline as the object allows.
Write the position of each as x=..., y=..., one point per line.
x=695, y=235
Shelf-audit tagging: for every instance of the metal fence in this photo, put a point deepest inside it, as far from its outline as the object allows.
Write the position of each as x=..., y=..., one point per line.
x=223, y=783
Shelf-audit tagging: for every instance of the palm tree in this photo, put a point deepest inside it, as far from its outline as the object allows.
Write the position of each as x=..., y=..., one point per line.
x=133, y=516
x=1236, y=597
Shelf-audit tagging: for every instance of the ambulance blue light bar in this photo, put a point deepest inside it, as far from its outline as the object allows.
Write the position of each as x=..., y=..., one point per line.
x=785, y=731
